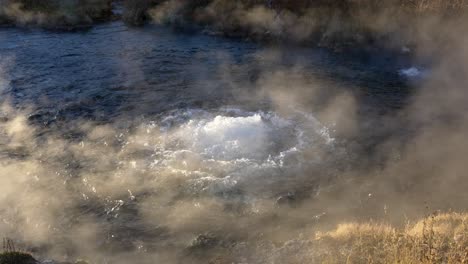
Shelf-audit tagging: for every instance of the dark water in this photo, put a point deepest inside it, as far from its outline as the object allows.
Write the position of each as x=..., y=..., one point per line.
x=112, y=70
x=132, y=187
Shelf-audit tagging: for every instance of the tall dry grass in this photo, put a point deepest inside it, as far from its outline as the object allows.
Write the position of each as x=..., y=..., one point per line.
x=439, y=238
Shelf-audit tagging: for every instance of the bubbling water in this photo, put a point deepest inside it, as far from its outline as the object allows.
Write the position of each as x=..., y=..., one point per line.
x=218, y=151
x=179, y=173
x=228, y=138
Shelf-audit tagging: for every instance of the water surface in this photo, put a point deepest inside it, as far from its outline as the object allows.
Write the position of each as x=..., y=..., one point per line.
x=141, y=139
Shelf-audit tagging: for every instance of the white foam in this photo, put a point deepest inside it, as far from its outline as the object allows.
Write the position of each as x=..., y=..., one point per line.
x=218, y=151
x=405, y=49
x=228, y=138
x=411, y=72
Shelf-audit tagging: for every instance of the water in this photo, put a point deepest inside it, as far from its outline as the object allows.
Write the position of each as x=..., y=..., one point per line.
x=121, y=141
x=112, y=69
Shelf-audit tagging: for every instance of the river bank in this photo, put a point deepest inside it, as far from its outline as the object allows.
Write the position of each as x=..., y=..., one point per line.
x=335, y=24
x=438, y=238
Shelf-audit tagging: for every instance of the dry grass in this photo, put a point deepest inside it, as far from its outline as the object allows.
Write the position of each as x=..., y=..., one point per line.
x=440, y=238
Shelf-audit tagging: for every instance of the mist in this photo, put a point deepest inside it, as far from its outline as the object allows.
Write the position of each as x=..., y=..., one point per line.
x=285, y=164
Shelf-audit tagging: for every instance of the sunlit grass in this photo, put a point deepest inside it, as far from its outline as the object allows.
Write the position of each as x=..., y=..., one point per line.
x=439, y=238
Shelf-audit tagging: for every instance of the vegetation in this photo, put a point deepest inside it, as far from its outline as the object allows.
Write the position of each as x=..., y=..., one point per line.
x=319, y=21
x=440, y=238
x=16, y=258
x=324, y=22
x=57, y=14
x=11, y=256
x=135, y=11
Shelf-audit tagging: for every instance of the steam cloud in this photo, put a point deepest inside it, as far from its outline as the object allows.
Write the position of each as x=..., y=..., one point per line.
x=234, y=182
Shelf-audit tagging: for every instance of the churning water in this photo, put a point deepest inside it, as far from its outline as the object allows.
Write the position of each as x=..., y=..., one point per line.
x=118, y=141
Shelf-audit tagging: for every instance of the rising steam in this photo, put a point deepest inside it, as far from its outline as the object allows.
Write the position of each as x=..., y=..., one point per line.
x=237, y=185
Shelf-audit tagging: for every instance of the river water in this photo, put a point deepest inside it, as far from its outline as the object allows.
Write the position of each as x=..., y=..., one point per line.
x=124, y=143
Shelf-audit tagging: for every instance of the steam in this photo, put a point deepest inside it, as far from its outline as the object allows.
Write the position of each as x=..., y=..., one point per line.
x=176, y=176
x=241, y=185
x=392, y=24
x=259, y=20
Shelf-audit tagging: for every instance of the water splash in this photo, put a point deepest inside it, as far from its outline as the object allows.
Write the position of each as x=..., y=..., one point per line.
x=232, y=147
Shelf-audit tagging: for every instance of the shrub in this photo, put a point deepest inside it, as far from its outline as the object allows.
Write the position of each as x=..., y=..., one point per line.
x=354, y=21
x=16, y=258
x=135, y=11
x=54, y=13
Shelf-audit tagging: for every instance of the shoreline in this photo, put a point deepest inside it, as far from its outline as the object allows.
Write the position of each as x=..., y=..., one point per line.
x=334, y=27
